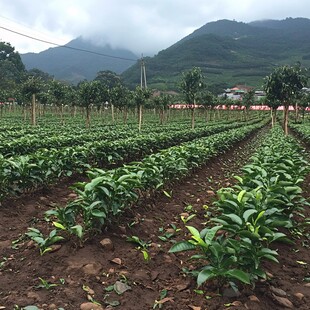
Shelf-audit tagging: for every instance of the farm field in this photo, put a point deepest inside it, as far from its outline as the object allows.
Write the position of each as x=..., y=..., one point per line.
x=129, y=264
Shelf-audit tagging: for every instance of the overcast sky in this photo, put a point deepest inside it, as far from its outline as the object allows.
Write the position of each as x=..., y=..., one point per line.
x=143, y=26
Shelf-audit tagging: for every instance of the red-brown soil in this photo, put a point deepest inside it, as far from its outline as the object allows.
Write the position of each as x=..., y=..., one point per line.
x=97, y=268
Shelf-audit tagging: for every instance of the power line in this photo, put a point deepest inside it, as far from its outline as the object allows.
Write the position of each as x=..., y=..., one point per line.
x=68, y=47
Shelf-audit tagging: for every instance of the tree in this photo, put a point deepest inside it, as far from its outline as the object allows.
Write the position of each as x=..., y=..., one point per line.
x=304, y=102
x=108, y=78
x=12, y=69
x=273, y=104
x=119, y=97
x=109, y=81
x=90, y=93
x=247, y=101
x=140, y=96
x=30, y=88
x=283, y=85
x=191, y=84
x=57, y=91
x=40, y=74
x=72, y=98
x=209, y=101
x=162, y=103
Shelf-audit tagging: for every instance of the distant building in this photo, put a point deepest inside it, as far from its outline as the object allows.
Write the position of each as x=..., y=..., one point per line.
x=237, y=92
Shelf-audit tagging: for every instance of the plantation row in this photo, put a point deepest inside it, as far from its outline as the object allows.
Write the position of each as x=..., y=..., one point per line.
x=266, y=198
x=303, y=131
x=47, y=137
x=19, y=174
x=109, y=192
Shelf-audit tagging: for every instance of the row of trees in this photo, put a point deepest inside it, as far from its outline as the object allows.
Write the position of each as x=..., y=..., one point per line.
x=283, y=87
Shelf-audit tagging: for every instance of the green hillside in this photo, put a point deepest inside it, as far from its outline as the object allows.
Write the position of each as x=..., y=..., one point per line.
x=229, y=53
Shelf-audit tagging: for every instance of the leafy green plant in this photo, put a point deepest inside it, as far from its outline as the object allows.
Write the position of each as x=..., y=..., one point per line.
x=169, y=233
x=142, y=246
x=45, y=284
x=43, y=243
x=186, y=219
x=159, y=303
x=221, y=261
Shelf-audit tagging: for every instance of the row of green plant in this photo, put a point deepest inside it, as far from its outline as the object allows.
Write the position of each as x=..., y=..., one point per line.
x=54, y=138
x=253, y=214
x=109, y=192
x=14, y=130
x=27, y=172
x=303, y=130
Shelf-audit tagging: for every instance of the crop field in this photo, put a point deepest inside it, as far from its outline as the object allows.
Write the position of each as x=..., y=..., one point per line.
x=168, y=217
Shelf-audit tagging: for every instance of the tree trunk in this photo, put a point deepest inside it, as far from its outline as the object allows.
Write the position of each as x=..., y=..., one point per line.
x=62, y=114
x=285, y=120
x=193, y=118
x=125, y=115
x=33, y=110
x=88, y=117
x=112, y=113
x=296, y=112
x=273, y=117
x=161, y=116
x=206, y=115
x=25, y=113
x=140, y=117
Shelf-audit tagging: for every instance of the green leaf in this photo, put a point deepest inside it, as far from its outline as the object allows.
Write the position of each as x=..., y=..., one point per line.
x=210, y=234
x=235, y=218
x=248, y=213
x=91, y=185
x=241, y=195
x=239, y=179
x=97, y=213
x=124, y=178
x=248, y=234
x=193, y=231
x=167, y=194
x=58, y=225
x=259, y=216
x=239, y=275
x=204, y=275
x=78, y=230
x=270, y=257
x=146, y=255
x=182, y=246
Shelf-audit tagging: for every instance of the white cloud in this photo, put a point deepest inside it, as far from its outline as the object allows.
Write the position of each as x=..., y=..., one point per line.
x=144, y=26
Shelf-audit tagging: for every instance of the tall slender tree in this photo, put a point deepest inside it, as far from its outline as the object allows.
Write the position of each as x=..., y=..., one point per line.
x=191, y=84
x=141, y=95
x=283, y=85
x=30, y=88
x=90, y=93
x=57, y=91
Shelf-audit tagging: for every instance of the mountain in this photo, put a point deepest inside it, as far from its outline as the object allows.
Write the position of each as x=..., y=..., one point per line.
x=71, y=64
x=229, y=52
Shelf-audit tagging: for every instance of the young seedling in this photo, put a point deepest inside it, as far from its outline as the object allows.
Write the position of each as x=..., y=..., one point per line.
x=169, y=233
x=43, y=243
x=45, y=284
x=189, y=209
x=142, y=246
x=186, y=219
x=3, y=262
x=159, y=303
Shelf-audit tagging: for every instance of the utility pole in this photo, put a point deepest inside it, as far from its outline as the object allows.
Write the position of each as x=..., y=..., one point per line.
x=143, y=87
x=143, y=74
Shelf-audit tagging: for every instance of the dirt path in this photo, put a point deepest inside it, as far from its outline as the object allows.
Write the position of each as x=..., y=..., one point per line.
x=89, y=273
